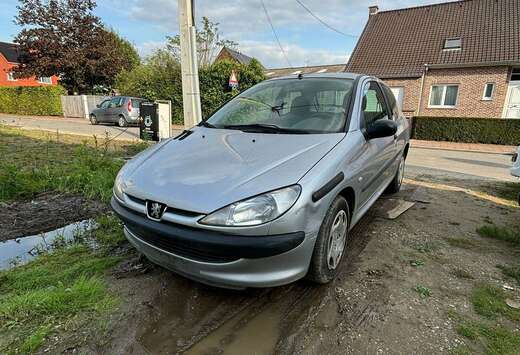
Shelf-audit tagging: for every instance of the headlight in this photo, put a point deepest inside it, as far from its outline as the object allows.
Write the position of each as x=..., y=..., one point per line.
x=256, y=210
x=119, y=186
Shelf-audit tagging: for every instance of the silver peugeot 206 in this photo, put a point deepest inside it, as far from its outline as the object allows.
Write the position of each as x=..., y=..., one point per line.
x=265, y=191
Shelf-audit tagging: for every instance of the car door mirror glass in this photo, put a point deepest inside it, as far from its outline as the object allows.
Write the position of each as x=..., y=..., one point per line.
x=381, y=128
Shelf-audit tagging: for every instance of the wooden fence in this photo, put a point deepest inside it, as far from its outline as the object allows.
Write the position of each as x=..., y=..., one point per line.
x=79, y=105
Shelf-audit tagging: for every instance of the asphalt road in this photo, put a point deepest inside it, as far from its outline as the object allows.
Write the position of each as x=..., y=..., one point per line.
x=432, y=161
x=75, y=126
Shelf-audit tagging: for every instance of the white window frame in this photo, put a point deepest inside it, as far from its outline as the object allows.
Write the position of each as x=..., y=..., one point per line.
x=10, y=76
x=41, y=81
x=443, y=97
x=490, y=98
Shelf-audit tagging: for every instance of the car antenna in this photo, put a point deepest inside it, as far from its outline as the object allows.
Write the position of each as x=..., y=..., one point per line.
x=300, y=76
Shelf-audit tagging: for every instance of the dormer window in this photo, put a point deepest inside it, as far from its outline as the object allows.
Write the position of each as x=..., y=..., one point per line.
x=452, y=43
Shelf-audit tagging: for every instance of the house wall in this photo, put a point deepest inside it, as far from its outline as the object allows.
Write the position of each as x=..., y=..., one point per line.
x=471, y=83
x=411, y=88
x=6, y=67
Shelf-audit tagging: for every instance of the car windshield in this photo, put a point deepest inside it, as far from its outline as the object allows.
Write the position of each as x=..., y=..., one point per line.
x=307, y=105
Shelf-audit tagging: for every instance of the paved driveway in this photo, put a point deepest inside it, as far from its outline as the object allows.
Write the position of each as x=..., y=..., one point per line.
x=75, y=126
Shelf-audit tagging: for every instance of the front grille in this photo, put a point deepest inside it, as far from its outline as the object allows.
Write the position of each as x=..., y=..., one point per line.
x=169, y=209
x=181, y=249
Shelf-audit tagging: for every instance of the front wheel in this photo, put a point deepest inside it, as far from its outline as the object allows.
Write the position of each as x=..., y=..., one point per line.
x=331, y=242
x=397, y=181
x=121, y=122
x=93, y=120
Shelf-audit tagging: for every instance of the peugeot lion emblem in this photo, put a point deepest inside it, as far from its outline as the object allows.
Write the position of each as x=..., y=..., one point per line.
x=155, y=210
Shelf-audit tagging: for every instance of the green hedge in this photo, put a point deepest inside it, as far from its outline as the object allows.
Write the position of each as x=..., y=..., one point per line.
x=26, y=100
x=467, y=130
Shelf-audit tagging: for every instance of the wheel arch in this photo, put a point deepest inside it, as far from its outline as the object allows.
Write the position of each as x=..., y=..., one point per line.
x=349, y=194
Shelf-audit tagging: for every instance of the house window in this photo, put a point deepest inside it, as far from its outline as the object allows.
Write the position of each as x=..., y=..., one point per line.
x=444, y=96
x=489, y=88
x=10, y=76
x=452, y=43
x=45, y=80
x=515, y=75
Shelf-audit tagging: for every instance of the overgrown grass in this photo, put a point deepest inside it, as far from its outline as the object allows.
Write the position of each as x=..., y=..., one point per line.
x=460, y=243
x=490, y=301
x=36, y=162
x=500, y=233
x=56, y=287
x=423, y=291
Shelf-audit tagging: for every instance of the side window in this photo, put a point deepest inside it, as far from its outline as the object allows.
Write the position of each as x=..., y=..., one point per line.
x=373, y=105
x=115, y=102
x=392, y=102
x=105, y=104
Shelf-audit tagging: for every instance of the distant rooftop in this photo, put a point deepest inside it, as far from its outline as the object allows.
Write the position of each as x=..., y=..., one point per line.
x=9, y=51
x=332, y=68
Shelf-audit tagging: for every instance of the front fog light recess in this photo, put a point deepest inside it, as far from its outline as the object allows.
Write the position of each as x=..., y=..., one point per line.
x=255, y=210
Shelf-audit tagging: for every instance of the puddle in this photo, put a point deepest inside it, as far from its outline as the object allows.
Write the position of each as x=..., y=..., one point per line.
x=21, y=250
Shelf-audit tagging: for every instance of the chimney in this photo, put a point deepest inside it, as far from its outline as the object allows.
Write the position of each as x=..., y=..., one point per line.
x=372, y=10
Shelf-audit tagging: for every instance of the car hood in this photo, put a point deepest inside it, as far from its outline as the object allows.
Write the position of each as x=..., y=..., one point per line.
x=212, y=168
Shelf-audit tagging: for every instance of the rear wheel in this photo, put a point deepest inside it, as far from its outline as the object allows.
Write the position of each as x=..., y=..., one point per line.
x=121, y=122
x=93, y=120
x=331, y=242
x=396, y=183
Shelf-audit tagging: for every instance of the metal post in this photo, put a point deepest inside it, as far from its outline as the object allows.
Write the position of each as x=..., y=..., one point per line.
x=189, y=67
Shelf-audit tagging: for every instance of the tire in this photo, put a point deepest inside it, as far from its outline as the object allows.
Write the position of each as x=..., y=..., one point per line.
x=325, y=261
x=121, y=121
x=93, y=120
x=397, y=181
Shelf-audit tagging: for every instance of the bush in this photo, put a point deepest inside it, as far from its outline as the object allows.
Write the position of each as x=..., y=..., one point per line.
x=159, y=78
x=467, y=130
x=27, y=100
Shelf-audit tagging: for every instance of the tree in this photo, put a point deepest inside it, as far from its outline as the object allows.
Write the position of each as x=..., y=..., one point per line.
x=65, y=38
x=209, y=42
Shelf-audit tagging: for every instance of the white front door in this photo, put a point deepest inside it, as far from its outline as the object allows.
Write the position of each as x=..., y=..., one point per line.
x=512, y=109
x=398, y=92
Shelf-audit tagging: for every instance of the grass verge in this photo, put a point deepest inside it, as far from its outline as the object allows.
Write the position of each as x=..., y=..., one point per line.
x=42, y=296
x=500, y=233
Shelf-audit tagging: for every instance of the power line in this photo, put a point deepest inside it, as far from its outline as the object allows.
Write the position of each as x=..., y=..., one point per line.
x=323, y=22
x=274, y=32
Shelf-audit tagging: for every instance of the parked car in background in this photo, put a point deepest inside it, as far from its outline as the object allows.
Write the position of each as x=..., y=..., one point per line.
x=266, y=190
x=121, y=110
x=515, y=169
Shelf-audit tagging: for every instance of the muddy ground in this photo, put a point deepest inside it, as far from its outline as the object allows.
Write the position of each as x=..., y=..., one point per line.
x=370, y=308
x=45, y=212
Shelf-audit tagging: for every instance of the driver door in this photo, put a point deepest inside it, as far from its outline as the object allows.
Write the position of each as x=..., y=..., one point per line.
x=378, y=152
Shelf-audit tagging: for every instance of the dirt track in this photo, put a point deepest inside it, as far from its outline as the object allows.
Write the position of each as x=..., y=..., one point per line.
x=370, y=308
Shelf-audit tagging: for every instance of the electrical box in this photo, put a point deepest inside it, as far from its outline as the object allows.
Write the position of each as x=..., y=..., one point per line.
x=155, y=123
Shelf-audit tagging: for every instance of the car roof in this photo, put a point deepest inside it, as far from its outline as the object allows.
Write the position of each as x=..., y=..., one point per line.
x=340, y=75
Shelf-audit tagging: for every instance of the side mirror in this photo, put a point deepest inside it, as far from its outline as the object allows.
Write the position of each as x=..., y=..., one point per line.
x=98, y=105
x=381, y=128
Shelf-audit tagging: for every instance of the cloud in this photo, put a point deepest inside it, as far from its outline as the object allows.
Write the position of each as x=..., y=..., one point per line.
x=270, y=55
x=148, y=47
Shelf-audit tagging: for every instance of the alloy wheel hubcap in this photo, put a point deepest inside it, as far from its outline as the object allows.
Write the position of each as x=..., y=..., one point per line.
x=121, y=121
x=337, y=239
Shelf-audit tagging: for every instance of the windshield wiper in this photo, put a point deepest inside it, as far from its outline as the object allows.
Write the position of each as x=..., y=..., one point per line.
x=204, y=123
x=264, y=127
x=276, y=108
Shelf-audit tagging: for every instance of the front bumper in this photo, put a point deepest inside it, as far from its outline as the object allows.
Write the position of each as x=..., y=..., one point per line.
x=219, y=259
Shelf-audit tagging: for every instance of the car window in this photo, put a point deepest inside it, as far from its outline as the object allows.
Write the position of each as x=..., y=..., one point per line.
x=314, y=105
x=115, y=102
x=392, y=103
x=104, y=104
x=373, y=105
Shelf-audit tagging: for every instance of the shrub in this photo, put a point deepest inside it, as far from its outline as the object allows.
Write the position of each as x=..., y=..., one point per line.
x=26, y=100
x=467, y=130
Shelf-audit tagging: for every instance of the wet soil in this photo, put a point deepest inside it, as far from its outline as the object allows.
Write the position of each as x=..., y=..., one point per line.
x=45, y=212
x=371, y=307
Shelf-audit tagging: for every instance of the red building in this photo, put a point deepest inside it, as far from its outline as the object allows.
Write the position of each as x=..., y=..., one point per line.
x=9, y=60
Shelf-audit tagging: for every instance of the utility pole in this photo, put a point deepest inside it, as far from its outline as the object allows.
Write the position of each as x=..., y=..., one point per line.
x=189, y=67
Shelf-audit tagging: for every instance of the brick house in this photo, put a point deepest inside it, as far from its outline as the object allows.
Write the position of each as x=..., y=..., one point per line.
x=457, y=59
x=9, y=60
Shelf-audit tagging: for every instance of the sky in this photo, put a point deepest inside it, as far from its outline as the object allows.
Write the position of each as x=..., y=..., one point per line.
x=306, y=41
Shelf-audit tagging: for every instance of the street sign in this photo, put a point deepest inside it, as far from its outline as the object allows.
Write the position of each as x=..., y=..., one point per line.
x=233, y=82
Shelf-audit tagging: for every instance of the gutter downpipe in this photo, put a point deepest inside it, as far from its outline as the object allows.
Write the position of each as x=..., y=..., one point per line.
x=425, y=70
